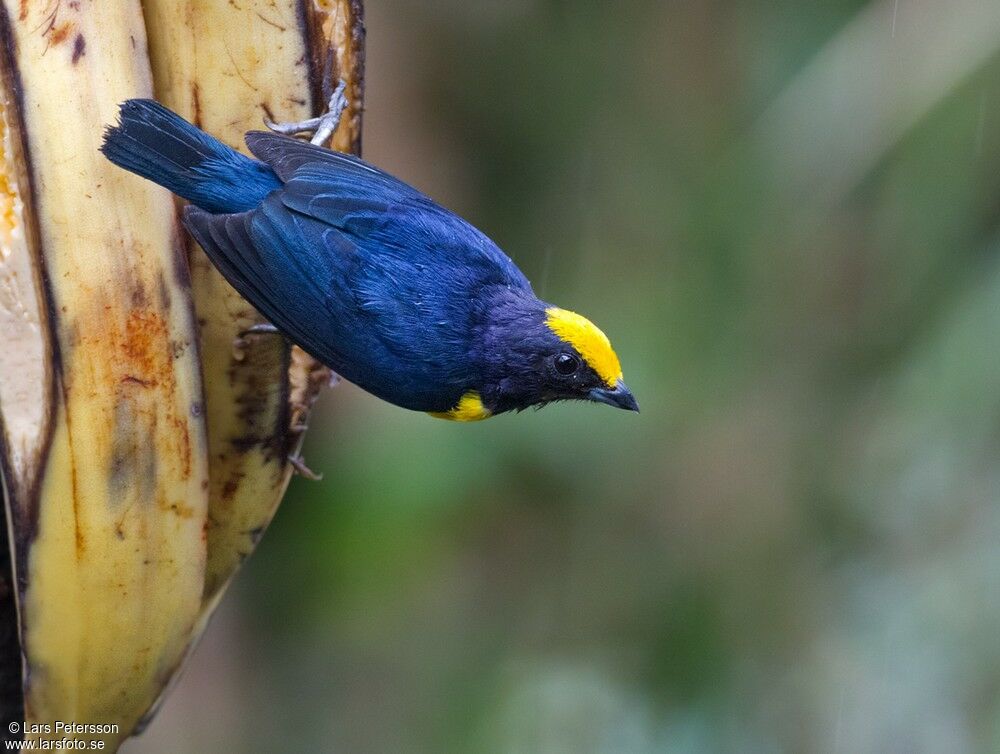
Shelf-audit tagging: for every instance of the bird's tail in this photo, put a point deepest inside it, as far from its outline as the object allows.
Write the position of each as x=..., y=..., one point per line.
x=156, y=143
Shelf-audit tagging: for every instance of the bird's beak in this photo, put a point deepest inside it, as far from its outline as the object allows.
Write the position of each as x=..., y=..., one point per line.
x=619, y=396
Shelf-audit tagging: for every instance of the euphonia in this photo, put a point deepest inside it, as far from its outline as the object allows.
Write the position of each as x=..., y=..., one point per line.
x=368, y=275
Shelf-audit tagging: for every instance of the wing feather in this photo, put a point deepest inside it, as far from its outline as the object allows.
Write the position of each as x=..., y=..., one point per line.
x=362, y=271
x=378, y=210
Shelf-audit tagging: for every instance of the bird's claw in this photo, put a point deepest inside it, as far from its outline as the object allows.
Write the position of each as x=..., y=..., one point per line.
x=240, y=342
x=323, y=127
x=261, y=328
x=301, y=469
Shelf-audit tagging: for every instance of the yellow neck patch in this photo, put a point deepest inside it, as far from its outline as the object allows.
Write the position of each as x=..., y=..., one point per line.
x=588, y=340
x=470, y=408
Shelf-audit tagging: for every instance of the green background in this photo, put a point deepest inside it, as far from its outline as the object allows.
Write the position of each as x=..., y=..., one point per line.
x=786, y=216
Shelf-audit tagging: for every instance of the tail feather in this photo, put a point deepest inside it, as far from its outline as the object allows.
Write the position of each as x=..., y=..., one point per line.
x=158, y=144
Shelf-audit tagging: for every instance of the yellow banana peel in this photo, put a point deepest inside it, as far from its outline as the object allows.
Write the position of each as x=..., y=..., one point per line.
x=225, y=67
x=104, y=432
x=144, y=442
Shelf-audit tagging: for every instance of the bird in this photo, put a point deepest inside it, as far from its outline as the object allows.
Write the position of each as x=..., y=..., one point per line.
x=368, y=275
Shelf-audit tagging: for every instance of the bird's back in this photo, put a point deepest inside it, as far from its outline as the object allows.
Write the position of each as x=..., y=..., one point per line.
x=366, y=273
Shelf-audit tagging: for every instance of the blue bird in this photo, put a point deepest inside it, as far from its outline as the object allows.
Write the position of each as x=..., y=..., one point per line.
x=372, y=278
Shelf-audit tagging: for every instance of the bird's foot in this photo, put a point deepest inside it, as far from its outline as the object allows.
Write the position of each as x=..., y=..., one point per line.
x=240, y=342
x=261, y=328
x=302, y=470
x=322, y=128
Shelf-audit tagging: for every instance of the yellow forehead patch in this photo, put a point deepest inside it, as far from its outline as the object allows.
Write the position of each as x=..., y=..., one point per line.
x=470, y=408
x=588, y=340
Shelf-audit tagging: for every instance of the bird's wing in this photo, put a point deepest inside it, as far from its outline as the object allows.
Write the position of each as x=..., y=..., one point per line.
x=273, y=263
x=377, y=324
x=286, y=155
x=379, y=212
x=364, y=272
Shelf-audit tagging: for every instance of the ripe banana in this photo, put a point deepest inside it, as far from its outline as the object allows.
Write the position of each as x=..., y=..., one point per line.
x=104, y=444
x=126, y=520
x=226, y=66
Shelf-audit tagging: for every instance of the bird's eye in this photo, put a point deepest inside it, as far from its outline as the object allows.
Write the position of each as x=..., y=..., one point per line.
x=566, y=364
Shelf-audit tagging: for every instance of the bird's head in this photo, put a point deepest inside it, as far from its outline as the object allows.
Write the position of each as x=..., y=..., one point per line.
x=534, y=354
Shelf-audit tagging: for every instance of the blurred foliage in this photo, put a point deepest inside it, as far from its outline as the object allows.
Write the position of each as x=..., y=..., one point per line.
x=786, y=217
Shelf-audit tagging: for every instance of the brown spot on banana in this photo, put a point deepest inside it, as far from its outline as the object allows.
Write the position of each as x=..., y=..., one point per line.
x=79, y=48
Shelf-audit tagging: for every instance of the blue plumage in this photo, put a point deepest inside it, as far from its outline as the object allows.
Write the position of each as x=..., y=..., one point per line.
x=159, y=145
x=374, y=279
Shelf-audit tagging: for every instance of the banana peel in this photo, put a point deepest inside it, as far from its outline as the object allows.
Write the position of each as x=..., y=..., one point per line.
x=134, y=490
x=226, y=67
x=105, y=447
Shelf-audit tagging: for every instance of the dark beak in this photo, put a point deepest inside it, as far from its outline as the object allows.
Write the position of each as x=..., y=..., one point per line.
x=619, y=396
